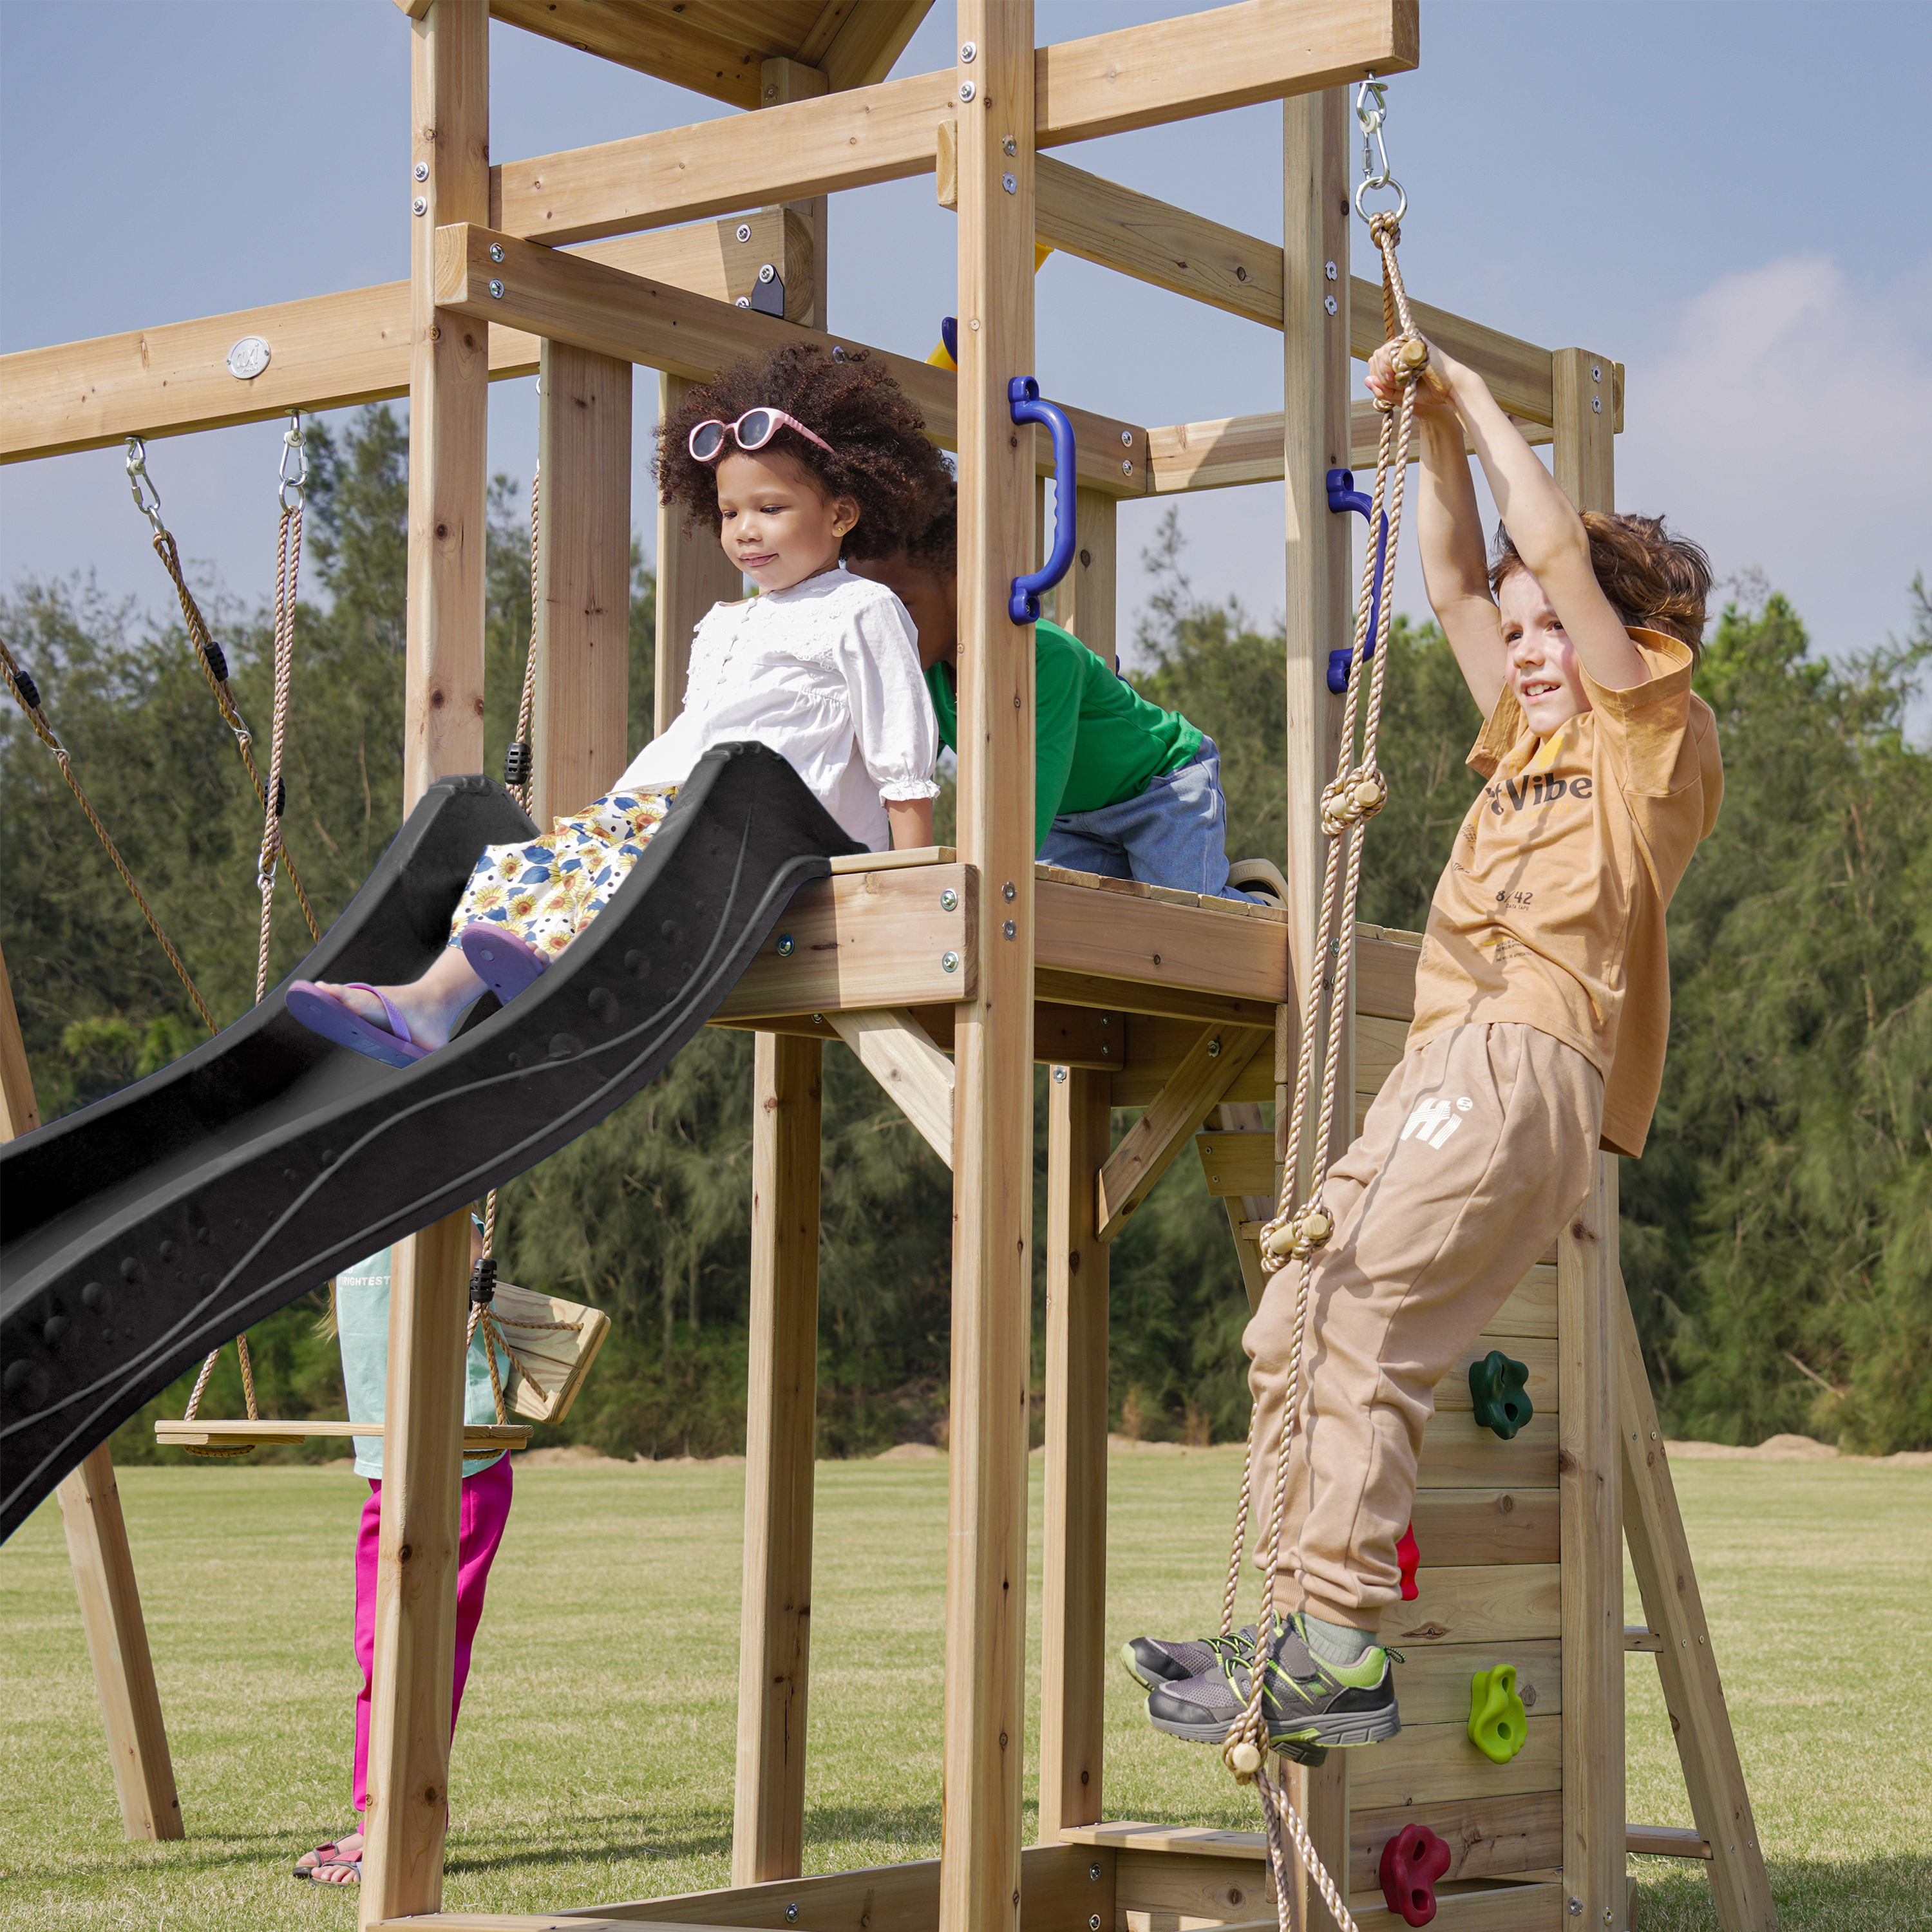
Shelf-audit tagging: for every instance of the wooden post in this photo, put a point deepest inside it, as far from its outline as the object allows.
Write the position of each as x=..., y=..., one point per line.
x=583, y=579
x=992, y=1255
x=1073, y=1618
x=1590, y=1511
x=1584, y=410
x=768, y=1823
x=117, y=1641
x=97, y=1546
x=1087, y=602
x=1321, y=603
x=779, y=81
x=694, y=573
x=1672, y=1606
x=422, y=1461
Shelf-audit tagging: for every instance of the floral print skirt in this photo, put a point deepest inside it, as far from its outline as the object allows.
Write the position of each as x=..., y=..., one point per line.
x=547, y=891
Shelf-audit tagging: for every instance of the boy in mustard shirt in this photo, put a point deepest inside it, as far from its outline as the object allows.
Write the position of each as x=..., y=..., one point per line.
x=1122, y=789
x=1542, y=1004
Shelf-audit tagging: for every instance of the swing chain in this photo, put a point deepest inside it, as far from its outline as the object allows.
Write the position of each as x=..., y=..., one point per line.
x=1375, y=154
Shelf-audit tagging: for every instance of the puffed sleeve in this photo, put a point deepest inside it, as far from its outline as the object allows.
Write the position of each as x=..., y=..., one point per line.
x=892, y=710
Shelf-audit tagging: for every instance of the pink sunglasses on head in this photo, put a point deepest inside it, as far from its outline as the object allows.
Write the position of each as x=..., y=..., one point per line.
x=752, y=430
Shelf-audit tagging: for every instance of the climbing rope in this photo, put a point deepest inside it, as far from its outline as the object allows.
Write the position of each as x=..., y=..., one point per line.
x=288, y=572
x=1357, y=791
x=213, y=662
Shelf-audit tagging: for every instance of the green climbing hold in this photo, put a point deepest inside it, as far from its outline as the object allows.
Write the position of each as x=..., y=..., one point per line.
x=1500, y=1387
x=1499, y=1724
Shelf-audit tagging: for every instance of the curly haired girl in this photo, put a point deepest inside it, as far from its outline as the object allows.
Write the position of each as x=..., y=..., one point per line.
x=797, y=459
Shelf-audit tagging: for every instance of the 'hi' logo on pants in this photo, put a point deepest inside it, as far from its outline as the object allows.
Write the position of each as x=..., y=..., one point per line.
x=1435, y=1120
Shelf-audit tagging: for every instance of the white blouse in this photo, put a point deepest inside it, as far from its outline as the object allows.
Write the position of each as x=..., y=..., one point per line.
x=827, y=674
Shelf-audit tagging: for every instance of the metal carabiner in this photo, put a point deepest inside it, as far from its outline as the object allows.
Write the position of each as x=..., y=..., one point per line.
x=149, y=505
x=1374, y=152
x=293, y=445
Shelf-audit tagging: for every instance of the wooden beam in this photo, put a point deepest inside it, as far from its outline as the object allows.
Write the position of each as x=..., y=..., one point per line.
x=1086, y=601
x=721, y=64
x=768, y=1825
x=330, y=351
x=1150, y=1146
x=567, y=297
x=583, y=580
x=1592, y=1505
x=1680, y=1636
x=1073, y=1609
x=863, y=41
x=867, y=939
x=19, y=1110
x=1586, y=419
x=693, y=574
x=1669, y=1841
x=992, y=1255
x=1124, y=937
x=782, y=81
x=416, y=1594
x=896, y=1051
x=1134, y=77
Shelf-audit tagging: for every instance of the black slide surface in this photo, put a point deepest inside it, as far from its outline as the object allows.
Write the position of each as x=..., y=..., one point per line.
x=140, y=1232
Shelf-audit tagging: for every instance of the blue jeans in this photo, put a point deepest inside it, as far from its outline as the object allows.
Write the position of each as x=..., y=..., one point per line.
x=1174, y=833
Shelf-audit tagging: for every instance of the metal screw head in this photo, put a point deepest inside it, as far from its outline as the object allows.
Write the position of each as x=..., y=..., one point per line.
x=949, y=901
x=1596, y=406
x=1126, y=468
x=967, y=90
x=948, y=962
x=1576, y=1908
x=1094, y=1873
x=1093, y=1922
x=744, y=301
x=791, y=1915
x=818, y=1019
x=1010, y=183
x=496, y=292
x=496, y=251
x=1213, y=1049
x=1328, y=269
x=419, y=206
x=744, y=231
x=1596, y=372
x=1060, y=1076
x=767, y=272
x=1126, y=438
x=786, y=946
x=968, y=53
x=1009, y=892
x=1010, y=929
x=1331, y=304
x=420, y=171
x=1008, y=146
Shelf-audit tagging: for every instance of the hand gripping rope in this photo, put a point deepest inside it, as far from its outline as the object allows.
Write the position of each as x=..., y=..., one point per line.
x=1356, y=794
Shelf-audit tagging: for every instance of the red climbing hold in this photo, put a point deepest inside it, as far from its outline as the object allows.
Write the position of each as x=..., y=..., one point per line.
x=1407, y=1556
x=1412, y=1861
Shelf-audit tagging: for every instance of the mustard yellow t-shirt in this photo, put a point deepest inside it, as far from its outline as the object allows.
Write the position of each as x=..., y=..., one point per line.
x=1551, y=910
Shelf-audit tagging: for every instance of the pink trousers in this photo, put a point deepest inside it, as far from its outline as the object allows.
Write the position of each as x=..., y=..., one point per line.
x=485, y=1510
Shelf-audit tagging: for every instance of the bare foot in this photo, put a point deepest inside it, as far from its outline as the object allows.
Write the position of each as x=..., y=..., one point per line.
x=430, y=1007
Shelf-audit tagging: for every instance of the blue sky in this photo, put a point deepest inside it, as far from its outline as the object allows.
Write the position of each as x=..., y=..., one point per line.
x=1728, y=197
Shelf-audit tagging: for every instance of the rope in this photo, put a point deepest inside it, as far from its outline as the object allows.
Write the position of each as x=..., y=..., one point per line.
x=288, y=570
x=27, y=696
x=1357, y=791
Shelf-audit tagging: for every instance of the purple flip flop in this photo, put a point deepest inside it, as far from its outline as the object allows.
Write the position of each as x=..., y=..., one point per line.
x=322, y=1012
x=501, y=960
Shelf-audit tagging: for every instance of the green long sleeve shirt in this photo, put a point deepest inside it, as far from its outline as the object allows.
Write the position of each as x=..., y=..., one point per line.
x=1098, y=741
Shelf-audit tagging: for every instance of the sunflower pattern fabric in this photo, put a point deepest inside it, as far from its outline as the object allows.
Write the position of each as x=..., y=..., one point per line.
x=546, y=892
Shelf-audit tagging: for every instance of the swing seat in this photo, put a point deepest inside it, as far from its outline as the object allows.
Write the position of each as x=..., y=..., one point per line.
x=242, y=1437
x=139, y=1233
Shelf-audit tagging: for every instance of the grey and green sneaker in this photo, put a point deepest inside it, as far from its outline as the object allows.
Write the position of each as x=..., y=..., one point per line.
x=1307, y=1702
x=1151, y=1661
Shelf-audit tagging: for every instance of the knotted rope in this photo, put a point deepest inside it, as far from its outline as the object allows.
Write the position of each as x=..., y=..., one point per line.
x=1355, y=794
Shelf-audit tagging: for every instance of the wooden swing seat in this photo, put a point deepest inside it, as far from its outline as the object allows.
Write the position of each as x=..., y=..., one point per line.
x=262, y=1434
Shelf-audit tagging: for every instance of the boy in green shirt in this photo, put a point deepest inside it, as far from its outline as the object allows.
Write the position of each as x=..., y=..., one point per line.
x=1122, y=788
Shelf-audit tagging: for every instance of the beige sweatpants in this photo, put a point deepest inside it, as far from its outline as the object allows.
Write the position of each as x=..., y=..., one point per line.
x=1473, y=1153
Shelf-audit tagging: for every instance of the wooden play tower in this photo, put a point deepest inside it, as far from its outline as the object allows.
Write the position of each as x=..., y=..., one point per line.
x=952, y=973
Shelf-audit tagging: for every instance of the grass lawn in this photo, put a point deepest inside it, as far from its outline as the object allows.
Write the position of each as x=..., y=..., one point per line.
x=594, y=1757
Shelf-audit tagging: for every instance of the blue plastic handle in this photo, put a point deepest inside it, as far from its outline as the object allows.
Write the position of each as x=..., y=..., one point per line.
x=1023, y=393
x=1343, y=497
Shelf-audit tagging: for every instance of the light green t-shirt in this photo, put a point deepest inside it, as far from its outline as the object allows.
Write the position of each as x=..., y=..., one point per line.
x=362, y=1329
x=1097, y=741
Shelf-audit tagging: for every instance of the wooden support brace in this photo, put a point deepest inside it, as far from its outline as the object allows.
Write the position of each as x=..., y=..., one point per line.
x=97, y=1546
x=1678, y=1633
x=1150, y=1146
x=895, y=1049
